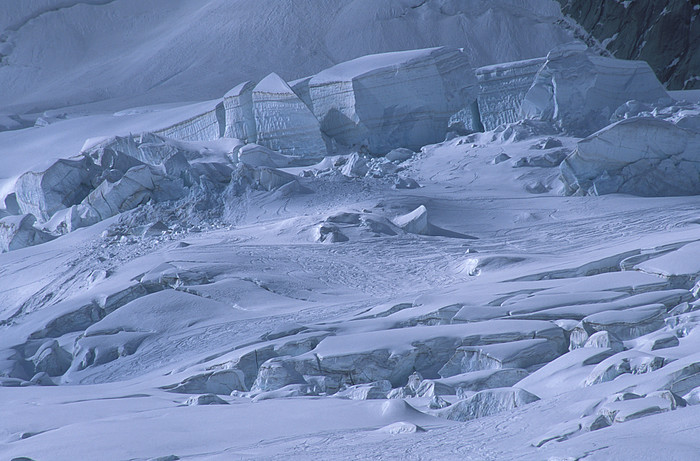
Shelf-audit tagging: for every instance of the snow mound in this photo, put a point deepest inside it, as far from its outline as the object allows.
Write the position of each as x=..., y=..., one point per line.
x=401, y=427
x=417, y=222
x=487, y=403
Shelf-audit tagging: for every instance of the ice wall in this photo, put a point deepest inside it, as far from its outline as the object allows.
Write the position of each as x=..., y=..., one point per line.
x=283, y=122
x=240, y=117
x=402, y=99
x=206, y=126
x=301, y=89
x=579, y=91
x=502, y=88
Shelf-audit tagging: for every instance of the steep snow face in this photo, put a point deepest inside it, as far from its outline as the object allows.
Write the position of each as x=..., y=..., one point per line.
x=56, y=53
x=579, y=90
x=403, y=99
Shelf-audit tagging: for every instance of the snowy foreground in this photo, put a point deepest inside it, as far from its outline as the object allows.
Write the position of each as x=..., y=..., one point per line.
x=329, y=284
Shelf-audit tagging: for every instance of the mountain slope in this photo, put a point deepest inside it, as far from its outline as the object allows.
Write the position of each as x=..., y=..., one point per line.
x=665, y=33
x=131, y=52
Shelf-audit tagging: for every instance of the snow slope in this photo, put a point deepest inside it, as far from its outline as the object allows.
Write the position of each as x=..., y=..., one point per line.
x=58, y=53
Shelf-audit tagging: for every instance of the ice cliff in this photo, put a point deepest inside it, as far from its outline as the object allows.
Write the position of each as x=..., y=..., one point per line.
x=502, y=88
x=579, y=91
x=402, y=99
x=283, y=122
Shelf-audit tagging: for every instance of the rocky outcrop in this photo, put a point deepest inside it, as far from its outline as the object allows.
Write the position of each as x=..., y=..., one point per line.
x=664, y=33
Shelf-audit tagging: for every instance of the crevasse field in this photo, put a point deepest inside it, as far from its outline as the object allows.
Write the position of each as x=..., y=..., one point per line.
x=322, y=229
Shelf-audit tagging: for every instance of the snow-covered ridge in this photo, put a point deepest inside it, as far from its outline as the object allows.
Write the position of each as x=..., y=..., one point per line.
x=359, y=67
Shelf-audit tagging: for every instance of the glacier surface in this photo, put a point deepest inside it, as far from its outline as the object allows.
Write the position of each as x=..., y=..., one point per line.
x=251, y=272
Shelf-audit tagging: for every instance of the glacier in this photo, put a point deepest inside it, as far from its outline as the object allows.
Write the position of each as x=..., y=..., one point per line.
x=382, y=259
x=402, y=99
x=502, y=89
x=579, y=91
x=283, y=122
